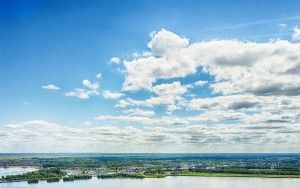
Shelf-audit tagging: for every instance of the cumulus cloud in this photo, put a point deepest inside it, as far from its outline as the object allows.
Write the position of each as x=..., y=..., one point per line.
x=165, y=42
x=115, y=60
x=143, y=120
x=51, y=87
x=235, y=102
x=238, y=67
x=200, y=83
x=88, y=84
x=296, y=33
x=139, y=112
x=111, y=95
x=248, y=109
x=89, y=89
x=173, y=89
x=169, y=94
x=249, y=79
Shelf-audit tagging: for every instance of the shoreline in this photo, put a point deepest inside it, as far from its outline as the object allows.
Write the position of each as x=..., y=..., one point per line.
x=237, y=175
x=154, y=176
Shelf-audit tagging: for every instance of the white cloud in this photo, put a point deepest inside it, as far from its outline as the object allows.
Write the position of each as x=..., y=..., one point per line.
x=111, y=95
x=296, y=34
x=143, y=120
x=90, y=85
x=269, y=68
x=51, y=87
x=173, y=89
x=200, y=83
x=248, y=109
x=235, y=102
x=123, y=103
x=139, y=112
x=115, y=60
x=169, y=94
x=165, y=42
x=218, y=115
x=81, y=93
x=258, y=82
x=90, y=89
x=53, y=137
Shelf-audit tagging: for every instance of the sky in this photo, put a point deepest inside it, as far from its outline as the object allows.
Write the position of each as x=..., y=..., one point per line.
x=149, y=76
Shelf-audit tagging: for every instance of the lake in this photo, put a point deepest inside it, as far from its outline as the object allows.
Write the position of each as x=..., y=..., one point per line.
x=168, y=182
x=15, y=170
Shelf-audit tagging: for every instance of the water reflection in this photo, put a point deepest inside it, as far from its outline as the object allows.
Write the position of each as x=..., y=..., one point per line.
x=15, y=170
x=169, y=182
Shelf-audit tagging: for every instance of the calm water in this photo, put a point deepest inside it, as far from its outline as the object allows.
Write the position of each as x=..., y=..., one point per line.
x=169, y=182
x=15, y=170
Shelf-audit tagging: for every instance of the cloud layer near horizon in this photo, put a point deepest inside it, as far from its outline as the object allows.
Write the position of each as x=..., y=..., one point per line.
x=42, y=136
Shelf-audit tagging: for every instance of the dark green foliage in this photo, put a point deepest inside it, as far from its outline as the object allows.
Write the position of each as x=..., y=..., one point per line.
x=32, y=181
x=51, y=180
x=236, y=170
x=69, y=178
x=82, y=177
x=121, y=175
x=43, y=174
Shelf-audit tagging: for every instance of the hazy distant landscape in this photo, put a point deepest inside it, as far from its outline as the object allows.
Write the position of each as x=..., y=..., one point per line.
x=72, y=167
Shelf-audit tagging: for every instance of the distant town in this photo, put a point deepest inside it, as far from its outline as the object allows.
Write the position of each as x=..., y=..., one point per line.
x=71, y=167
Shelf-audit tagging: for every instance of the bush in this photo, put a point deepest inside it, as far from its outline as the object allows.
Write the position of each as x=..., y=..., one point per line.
x=32, y=181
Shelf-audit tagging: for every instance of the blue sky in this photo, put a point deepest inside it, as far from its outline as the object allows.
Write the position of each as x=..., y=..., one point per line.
x=151, y=55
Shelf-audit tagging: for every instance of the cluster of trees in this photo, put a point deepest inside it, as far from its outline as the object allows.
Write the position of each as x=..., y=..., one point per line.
x=33, y=181
x=50, y=175
x=235, y=170
x=51, y=180
x=69, y=178
x=77, y=177
x=82, y=177
x=121, y=175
